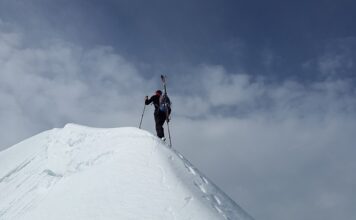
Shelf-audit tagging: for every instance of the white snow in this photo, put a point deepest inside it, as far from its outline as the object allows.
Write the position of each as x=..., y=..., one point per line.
x=120, y=173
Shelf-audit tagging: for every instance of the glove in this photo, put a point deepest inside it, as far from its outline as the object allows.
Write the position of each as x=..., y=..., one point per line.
x=146, y=97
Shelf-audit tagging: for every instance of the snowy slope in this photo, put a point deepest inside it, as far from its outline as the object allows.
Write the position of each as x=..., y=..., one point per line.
x=120, y=173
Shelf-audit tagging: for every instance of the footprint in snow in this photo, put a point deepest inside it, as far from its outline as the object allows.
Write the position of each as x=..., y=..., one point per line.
x=217, y=209
x=201, y=187
x=217, y=200
x=190, y=169
x=204, y=180
x=180, y=155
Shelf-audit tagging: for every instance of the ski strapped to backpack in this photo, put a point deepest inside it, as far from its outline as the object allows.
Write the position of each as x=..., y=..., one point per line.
x=164, y=101
x=165, y=106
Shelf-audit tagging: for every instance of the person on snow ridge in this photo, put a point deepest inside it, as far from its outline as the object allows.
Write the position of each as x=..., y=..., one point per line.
x=159, y=115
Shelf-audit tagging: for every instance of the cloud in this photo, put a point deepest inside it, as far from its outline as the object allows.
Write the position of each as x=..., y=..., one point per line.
x=338, y=58
x=290, y=148
x=44, y=87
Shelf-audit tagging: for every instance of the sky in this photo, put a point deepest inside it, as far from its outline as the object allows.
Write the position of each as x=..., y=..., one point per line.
x=261, y=89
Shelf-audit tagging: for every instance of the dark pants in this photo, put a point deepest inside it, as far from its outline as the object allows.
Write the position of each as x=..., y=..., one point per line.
x=160, y=118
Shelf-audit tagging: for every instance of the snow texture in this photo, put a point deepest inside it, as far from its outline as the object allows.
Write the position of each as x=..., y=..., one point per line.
x=91, y=173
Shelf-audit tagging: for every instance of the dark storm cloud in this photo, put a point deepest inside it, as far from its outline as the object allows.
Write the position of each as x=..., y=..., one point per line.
x=273, y=38
x=263, y=91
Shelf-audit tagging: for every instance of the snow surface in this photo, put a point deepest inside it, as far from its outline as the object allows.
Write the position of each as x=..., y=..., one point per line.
x=120, y=173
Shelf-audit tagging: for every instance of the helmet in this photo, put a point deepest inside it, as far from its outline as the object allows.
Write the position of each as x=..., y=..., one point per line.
x=158, y=92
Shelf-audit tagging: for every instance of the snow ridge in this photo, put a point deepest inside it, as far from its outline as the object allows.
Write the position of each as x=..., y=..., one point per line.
x=120, y=173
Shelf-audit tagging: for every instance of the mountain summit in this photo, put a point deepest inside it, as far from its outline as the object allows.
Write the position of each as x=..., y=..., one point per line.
x=83, y=173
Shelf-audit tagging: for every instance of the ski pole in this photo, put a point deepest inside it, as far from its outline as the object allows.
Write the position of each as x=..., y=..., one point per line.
x=169, y=135
x=143, y=112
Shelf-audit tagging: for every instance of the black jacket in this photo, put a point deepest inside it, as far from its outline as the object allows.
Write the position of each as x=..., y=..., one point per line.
x=155, y=100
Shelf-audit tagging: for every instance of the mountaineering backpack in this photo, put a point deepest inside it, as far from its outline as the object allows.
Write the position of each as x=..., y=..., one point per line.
x=164, y=103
